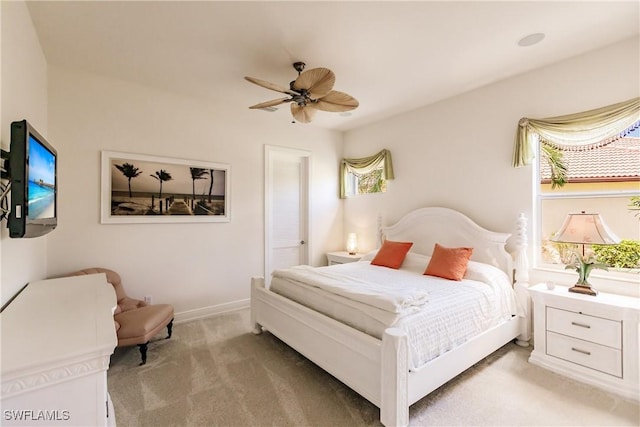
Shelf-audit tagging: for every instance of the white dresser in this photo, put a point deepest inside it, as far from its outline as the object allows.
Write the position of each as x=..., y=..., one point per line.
x=593, y=339
x=57, y=339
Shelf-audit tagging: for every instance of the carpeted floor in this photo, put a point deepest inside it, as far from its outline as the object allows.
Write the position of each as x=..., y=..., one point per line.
x=214, y=372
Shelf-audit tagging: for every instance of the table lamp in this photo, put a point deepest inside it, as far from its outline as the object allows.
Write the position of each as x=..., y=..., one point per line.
x=584, y=229
x=352, y=243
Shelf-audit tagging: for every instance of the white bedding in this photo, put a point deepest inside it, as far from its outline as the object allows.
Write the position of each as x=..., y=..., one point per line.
x=437, y=314
x=385, y=294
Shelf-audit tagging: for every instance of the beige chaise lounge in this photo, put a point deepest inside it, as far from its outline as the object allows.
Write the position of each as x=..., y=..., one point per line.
x=135, y=321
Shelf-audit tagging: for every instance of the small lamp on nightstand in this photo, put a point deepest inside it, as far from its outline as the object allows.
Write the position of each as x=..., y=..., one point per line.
x=584, y=229
x=352, y=243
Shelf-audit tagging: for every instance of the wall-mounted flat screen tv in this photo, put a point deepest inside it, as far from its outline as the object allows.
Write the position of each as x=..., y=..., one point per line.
x=34, y=186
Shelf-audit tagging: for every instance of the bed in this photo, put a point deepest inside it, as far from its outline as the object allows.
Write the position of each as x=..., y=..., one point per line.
x=378, y=362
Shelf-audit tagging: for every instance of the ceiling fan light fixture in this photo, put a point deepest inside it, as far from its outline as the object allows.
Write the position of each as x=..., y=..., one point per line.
x=310, y=92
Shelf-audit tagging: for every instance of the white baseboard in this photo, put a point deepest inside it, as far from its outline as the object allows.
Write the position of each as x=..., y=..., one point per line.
x=212, y=310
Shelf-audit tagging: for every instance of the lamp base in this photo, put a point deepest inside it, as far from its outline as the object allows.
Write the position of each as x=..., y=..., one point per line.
x=586, y=290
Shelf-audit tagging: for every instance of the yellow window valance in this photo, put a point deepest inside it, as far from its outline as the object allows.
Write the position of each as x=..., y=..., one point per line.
x=364, y=166
x=576, y=131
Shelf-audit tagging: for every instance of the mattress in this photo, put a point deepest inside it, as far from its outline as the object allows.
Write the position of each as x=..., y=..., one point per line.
x=451, y=312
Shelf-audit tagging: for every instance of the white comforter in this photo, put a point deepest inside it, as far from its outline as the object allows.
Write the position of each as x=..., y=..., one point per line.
x=437, y=314
x=385, y=296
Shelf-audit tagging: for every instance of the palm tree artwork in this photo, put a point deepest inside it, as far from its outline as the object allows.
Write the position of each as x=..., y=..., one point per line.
x=211, y=183
x=162, y=175
x=196, y=173
x=129, y=171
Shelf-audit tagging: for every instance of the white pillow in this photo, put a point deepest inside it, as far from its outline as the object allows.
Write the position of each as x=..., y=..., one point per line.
x=486, y=273
x=369, y=255
x=415, y=262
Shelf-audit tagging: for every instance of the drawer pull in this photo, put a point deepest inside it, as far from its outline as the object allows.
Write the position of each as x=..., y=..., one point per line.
x=582, y=325
x=588, y=353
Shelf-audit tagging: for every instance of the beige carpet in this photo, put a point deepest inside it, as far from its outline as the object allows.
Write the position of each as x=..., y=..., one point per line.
x=214, y=372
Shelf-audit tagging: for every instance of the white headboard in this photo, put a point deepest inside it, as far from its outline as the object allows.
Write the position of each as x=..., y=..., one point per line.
x=427, y=226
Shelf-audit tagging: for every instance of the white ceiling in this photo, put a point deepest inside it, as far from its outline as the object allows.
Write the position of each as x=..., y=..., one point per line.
x=391, y=56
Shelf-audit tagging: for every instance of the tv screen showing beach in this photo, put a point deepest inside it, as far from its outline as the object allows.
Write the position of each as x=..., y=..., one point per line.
x=42, y=181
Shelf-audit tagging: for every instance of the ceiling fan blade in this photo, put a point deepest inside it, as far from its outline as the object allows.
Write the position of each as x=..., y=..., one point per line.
x=269, y=85
x=271, y=103
x=336, y=101
x=302, y=114
x=317, y=81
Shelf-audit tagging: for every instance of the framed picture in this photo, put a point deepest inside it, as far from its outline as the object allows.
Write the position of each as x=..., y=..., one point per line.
x=139, y=188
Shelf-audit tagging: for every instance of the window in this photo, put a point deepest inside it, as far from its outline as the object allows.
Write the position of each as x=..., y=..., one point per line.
x=603, y=178
x=366, y=175
x=366, y=183
x=601, y=174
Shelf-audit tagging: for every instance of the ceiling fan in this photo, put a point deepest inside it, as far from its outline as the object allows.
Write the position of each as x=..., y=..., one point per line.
x=310, y=92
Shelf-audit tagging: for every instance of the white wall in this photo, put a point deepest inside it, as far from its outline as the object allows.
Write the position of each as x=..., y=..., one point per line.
x=453, y=153
x=24, y=96
x=458, y=152
x=192, y=266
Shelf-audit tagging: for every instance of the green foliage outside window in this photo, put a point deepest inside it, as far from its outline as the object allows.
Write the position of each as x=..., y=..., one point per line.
x=554, y=159
x=372, y=182
x=625, y=254
x=634, y=206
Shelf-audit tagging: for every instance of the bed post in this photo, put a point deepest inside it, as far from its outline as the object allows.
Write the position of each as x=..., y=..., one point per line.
x=394, y=379
x=521, y=284
x=256, y=283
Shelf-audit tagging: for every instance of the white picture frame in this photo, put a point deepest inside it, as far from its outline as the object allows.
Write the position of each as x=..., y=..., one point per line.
x=140, y=188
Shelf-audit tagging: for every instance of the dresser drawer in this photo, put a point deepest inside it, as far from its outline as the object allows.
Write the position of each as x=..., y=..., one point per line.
x=589, y=328
x=595, y=356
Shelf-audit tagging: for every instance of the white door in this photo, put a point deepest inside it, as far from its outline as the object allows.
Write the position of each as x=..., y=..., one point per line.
x=286, y=208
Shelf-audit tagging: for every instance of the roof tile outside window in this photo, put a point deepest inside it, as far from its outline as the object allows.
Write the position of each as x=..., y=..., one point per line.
x=619, y=160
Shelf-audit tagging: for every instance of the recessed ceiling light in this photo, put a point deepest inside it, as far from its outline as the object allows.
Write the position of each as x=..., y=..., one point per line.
x=531, y=39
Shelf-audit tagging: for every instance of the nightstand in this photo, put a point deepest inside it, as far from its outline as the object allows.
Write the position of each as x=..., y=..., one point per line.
x=342, y=257
x=593, y=339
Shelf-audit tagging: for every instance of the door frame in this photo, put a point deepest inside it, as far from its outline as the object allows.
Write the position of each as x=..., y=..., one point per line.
x=269, y=152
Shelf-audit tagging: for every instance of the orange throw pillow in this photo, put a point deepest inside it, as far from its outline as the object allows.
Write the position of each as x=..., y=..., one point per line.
x=449, y=263
x=391, y=254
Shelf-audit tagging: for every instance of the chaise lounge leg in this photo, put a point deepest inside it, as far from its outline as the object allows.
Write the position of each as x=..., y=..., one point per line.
x=143, y=352
x=170, y=329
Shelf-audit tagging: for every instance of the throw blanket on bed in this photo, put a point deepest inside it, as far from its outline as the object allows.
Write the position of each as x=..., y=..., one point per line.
x=387, y=296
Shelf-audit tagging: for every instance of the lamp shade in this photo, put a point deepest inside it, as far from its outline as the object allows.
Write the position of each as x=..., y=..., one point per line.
x=585, y=228
x=352, y=243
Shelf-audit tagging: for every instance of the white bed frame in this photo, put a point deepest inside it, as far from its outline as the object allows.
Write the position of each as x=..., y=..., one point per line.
x=378, y=369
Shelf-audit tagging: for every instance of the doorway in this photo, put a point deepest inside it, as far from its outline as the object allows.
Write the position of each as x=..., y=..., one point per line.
x=286, y=208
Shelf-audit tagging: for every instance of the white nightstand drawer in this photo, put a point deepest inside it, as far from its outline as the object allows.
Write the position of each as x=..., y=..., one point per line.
x=612, y=319
x=599, y=357
x=342, y=257
x=595, y=329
